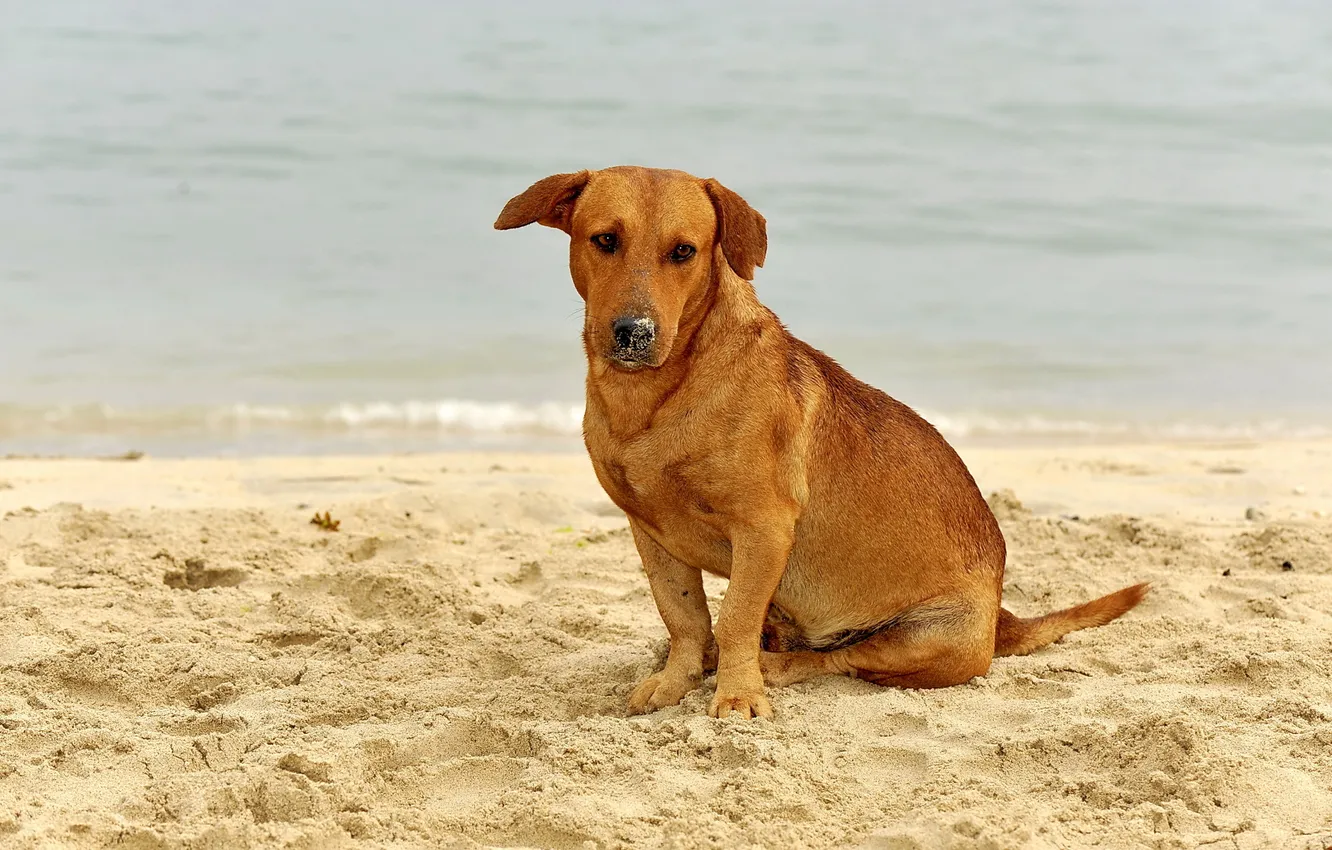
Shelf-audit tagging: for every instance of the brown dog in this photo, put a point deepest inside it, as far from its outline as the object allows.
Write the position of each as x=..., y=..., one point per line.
x=853, y=536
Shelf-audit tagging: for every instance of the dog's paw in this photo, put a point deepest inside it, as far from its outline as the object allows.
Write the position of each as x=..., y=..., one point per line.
x=746, y=704
x=659, y=691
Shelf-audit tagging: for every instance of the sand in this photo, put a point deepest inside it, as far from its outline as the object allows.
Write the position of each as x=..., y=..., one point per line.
x=185, y=661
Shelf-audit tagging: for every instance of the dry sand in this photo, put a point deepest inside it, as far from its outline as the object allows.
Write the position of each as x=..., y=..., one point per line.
x=185, y=661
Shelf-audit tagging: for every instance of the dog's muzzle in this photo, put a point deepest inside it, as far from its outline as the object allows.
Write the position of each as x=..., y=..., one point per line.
x=634, y=339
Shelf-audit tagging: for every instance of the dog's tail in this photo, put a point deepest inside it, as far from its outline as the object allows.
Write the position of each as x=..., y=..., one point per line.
x=1017, y=636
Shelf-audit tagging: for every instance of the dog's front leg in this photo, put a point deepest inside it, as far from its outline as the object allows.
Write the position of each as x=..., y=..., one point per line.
x=758, y=560
x=678, y=591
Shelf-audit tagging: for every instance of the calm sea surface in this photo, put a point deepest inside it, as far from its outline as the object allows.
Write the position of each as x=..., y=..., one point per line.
x=238, y=227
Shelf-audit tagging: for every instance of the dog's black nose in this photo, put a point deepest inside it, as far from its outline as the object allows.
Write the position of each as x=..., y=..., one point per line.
x=634, y=333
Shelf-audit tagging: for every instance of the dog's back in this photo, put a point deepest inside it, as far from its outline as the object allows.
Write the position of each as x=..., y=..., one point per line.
x=890, y=505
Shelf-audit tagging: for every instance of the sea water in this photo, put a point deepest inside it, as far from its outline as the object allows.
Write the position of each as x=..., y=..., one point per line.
x=266, y=227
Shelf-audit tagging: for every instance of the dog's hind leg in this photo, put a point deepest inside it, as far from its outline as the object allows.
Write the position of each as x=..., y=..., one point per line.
x=932, y=645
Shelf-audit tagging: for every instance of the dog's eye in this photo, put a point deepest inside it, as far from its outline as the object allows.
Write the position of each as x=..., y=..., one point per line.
x=606, y=242
x=682, y=253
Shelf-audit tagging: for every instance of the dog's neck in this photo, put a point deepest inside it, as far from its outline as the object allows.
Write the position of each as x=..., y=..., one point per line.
x=707, y=331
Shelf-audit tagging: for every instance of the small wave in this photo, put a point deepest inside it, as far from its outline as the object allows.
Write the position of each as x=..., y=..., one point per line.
x=1037, y=426
x=464, y=418
x=471, y=416
x=455, y=416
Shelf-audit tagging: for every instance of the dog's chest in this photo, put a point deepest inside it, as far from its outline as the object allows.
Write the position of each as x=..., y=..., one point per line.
x=662, y=492
x=673, y=496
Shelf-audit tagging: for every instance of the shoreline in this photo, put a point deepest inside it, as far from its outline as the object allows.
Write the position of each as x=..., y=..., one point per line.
x=564, y=444
x=455, y=425
x=1271, y=472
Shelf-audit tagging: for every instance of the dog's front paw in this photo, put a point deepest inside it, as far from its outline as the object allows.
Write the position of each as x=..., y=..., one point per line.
x=747, y=703
x=660, y=690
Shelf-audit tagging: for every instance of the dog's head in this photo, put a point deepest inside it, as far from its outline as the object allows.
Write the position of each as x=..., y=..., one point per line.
x=646, y=248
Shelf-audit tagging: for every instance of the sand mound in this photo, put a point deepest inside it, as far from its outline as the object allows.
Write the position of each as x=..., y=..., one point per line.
x=450, y=669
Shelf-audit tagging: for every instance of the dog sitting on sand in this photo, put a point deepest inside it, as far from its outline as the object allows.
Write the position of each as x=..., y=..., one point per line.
x=854, y=538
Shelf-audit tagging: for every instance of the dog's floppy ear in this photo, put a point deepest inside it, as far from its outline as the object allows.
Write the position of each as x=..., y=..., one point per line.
x=743, y=233
x=549, y=201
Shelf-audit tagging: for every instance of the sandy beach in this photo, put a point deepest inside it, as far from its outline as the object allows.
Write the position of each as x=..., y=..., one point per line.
x=187, y=662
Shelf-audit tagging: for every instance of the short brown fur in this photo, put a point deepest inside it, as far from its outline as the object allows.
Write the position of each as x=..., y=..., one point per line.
x=854, y=538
